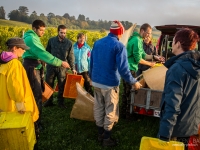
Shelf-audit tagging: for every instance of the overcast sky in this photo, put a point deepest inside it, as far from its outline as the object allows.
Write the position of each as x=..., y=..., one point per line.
x=154, y=12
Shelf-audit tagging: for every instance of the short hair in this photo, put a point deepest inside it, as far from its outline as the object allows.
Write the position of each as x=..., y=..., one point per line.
x=61, y=27
x=188, y=38
x=145, y=26
x=38, y=23
x=80, y=35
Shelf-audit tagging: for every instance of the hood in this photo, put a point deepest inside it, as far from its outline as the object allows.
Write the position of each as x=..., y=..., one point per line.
x=6, y=57
x=189, y=60
x=134, y=34
x=29, y=33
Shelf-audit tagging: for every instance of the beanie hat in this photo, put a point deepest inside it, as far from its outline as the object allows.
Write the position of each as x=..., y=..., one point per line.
x=116, y=28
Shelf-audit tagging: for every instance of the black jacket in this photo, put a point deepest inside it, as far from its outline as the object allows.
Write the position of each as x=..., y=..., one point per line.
x=62, y=50
x=180, y=105
x=150, y=50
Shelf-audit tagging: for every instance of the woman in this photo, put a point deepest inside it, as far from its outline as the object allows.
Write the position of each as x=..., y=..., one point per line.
x=180, y=105
x=82, y=60
x=16, y=93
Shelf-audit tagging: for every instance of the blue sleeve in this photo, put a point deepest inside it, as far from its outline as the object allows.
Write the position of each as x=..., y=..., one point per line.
x=171, y=101
x=122, y=65
x=91, y=63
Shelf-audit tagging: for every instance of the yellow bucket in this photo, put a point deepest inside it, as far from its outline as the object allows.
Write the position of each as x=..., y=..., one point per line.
x=148, y=143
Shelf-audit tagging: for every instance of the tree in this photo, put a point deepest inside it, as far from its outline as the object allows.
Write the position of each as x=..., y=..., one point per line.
x=50, y=15
x=66, y=16
x=14, y=15
x=43, y=18
x=81, y=17
x=23, y=10
x=88, y=19
x=72, y=18
x=33, y=17
x=2, y=13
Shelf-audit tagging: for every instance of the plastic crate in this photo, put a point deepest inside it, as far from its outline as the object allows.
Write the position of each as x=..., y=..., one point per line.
x=70, y=90
x=17, y=131
x=148, y=143
x=47, y=92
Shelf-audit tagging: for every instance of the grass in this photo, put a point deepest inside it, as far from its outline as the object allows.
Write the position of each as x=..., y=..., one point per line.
x=4, y=22
x=64, y=133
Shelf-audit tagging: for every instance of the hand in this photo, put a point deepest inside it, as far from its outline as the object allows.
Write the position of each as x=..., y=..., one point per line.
x=136, y=86
x=65, y=64
x=152, y=64
x=163, y=143
x=21, y=111
x=74, y=72
x=159, y=58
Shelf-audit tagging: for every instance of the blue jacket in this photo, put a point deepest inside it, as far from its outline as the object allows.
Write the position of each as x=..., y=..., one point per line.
x=109, y=61
x=82, y=57
x=180, y=105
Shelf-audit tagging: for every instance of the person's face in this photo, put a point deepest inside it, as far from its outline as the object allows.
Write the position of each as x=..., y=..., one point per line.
x=81, y=40
x=147, y=40
x=40, y=32
x=62, y=33
x=147, y=33
x=18, y=51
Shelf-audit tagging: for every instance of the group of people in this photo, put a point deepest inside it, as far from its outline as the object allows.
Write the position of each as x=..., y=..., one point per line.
x=180, y=104
x=22, y=84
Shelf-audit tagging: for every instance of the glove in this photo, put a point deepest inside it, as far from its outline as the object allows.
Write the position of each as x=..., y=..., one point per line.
x=20, y=107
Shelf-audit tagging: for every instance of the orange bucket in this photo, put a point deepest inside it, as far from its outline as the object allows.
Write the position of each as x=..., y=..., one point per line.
x=70, y=90
x=47, y=92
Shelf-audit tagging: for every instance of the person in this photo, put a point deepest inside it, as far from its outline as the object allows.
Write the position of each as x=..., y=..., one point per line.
x=16, y=93
x=108, y=62
x=62, y=48
x=148, y=49
x=136, y=55
x=180, y=104
x=82, y=53
x=33, y=62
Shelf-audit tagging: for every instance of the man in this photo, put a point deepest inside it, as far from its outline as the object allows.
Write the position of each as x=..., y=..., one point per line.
x=62, y=48
x=16, y=93
x=108, y=62
x=136, y=55
x=32, y=63
x=180, y=104
x=82, y=53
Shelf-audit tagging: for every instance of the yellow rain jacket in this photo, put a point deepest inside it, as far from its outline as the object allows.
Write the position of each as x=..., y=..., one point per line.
x=15, y=89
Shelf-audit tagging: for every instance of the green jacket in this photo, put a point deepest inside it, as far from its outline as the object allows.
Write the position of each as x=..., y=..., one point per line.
x=37, y=50
x=135, y=51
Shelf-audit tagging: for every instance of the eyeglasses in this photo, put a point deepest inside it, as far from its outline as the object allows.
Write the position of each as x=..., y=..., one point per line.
x=148, y=33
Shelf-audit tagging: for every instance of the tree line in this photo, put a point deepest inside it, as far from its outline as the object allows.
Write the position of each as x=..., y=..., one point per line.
x=22, y=14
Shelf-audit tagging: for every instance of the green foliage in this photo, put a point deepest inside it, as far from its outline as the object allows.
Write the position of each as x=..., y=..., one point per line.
x=7, y=32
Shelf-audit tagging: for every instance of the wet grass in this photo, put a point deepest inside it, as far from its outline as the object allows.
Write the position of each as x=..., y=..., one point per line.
x=61, y=132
